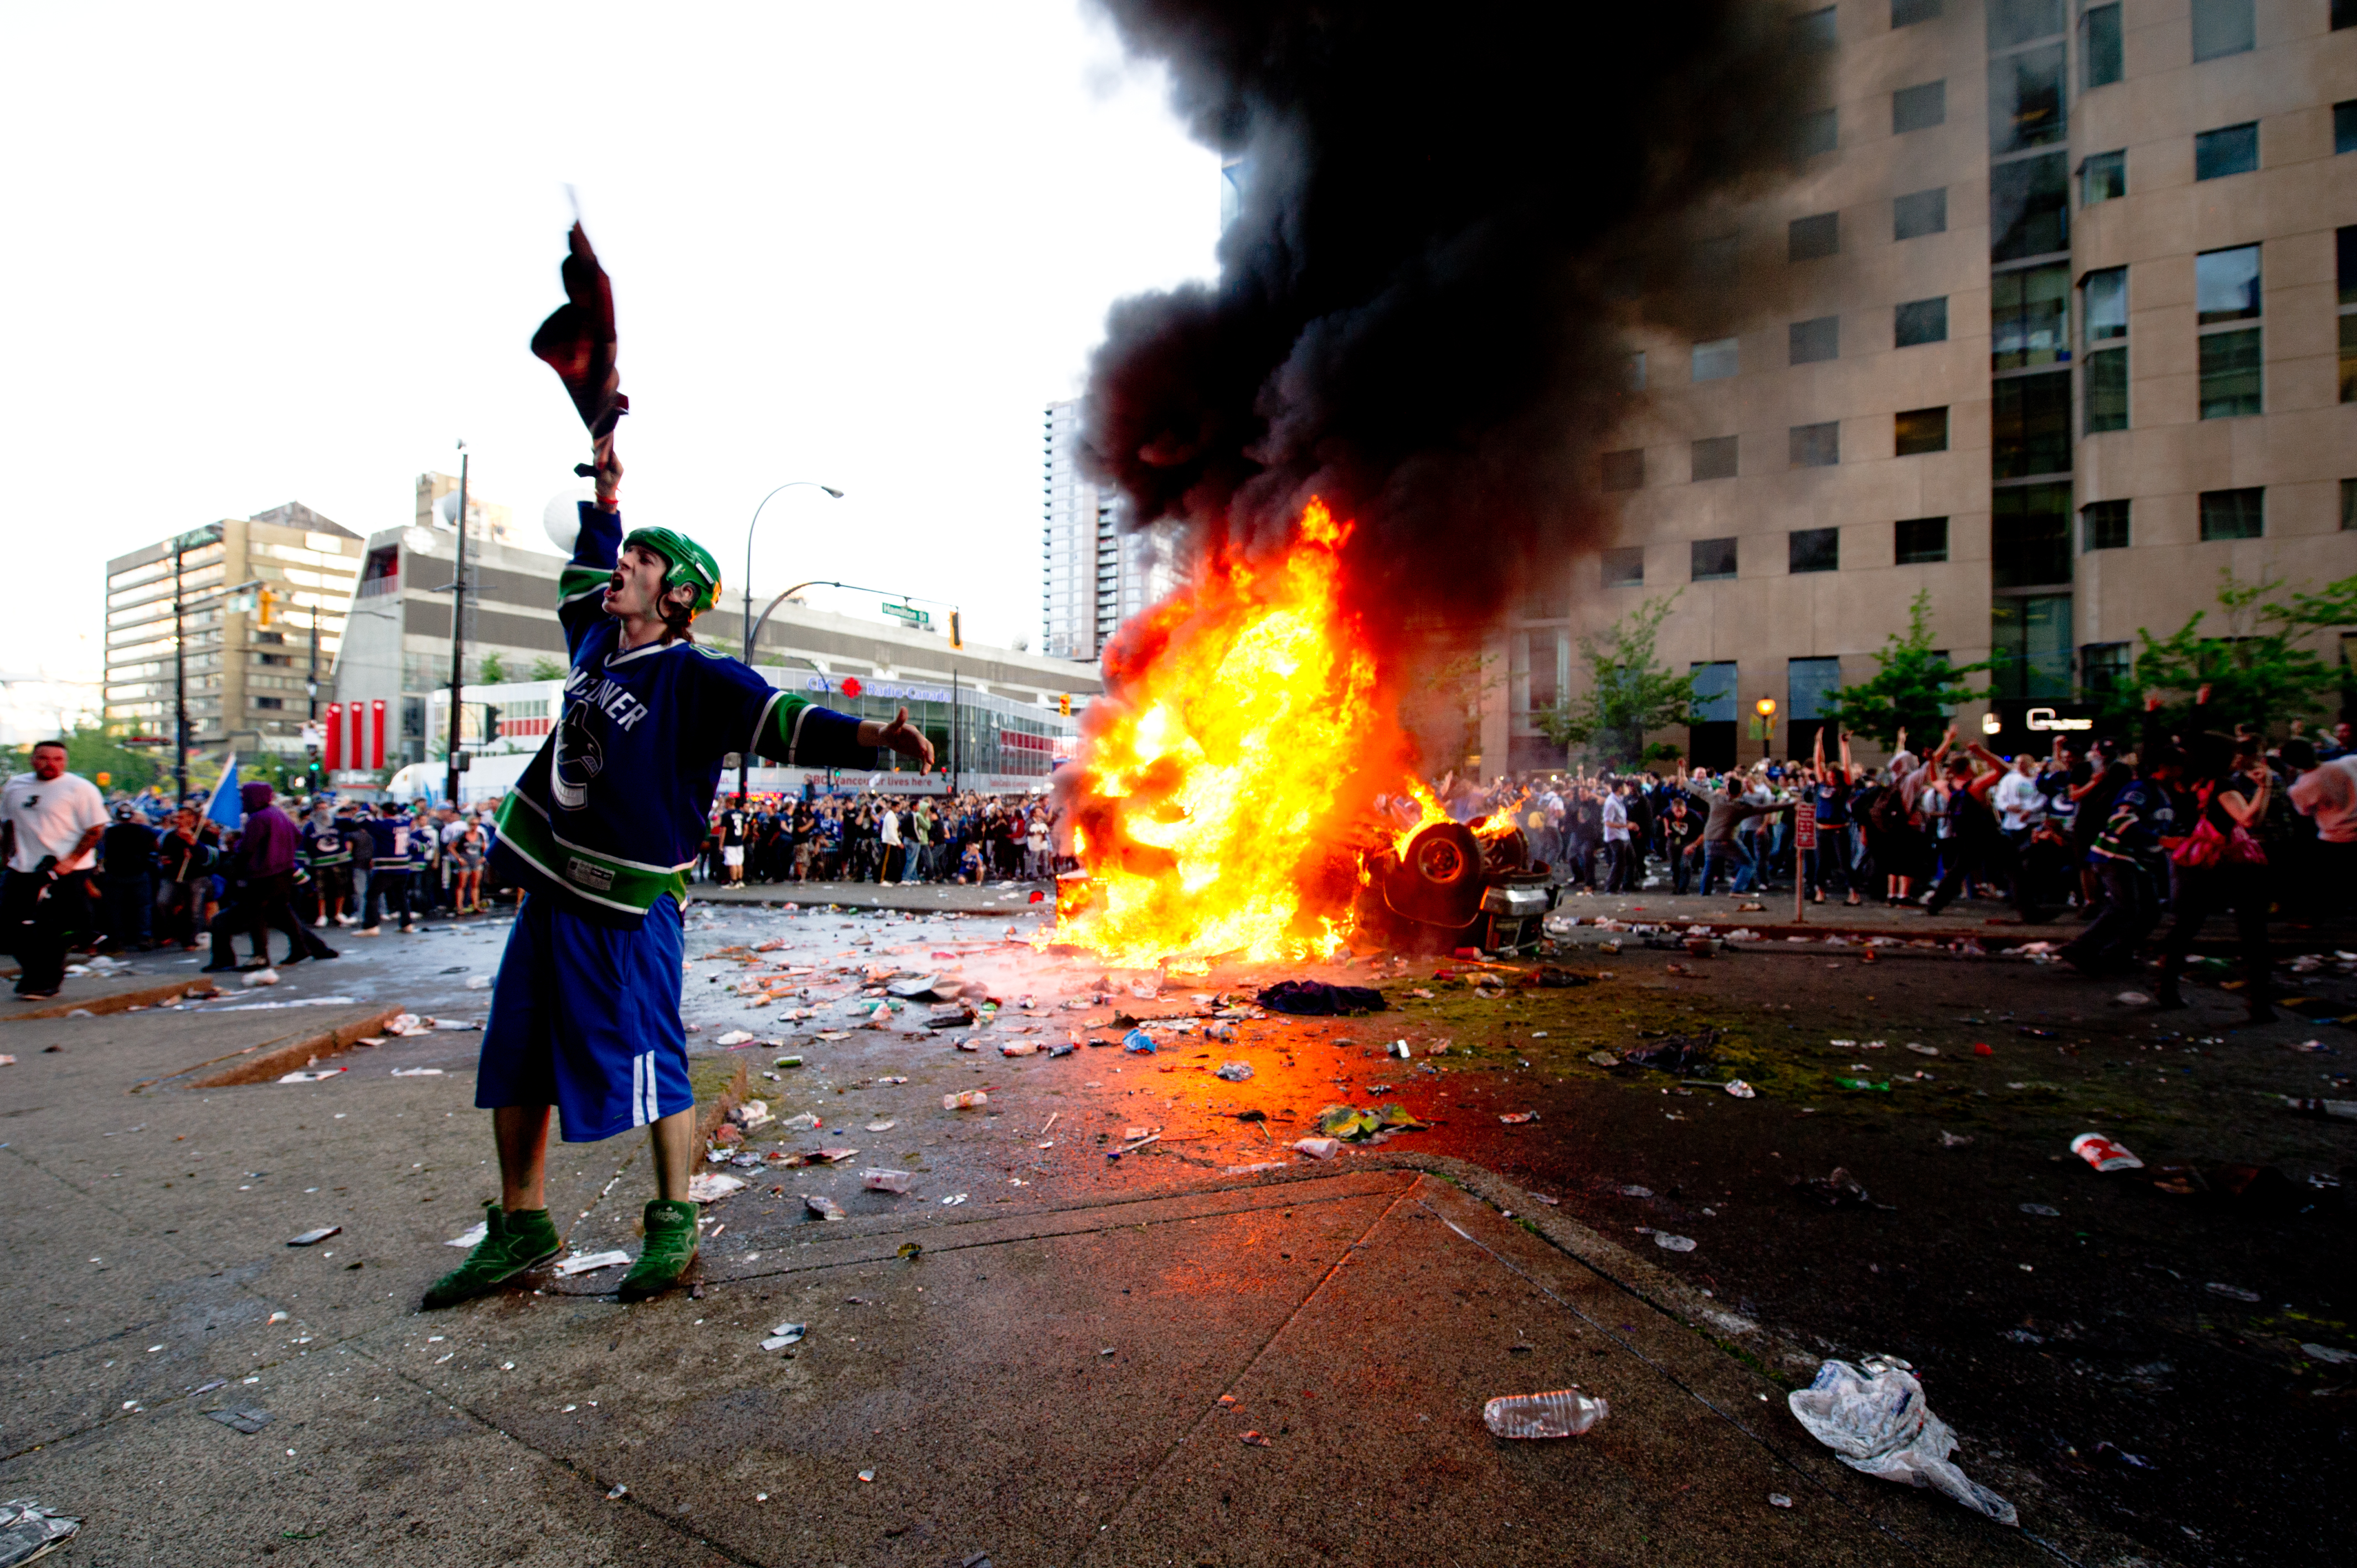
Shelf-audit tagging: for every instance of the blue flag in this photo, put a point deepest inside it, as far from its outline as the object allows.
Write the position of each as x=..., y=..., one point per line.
x=226, y=807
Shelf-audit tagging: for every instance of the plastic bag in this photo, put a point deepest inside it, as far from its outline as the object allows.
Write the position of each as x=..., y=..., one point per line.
x=1877, y=1422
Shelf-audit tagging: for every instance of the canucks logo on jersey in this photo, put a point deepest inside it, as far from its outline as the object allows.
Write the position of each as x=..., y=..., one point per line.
x=578, y=758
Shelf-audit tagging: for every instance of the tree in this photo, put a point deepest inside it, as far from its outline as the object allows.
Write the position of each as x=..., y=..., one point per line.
x=1914, y=686
x=492, y=671
x=1630, y=691
x=2256, y=673
x=546, y=668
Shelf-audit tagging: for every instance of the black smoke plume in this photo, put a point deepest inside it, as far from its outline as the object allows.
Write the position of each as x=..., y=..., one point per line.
x=1453, y=214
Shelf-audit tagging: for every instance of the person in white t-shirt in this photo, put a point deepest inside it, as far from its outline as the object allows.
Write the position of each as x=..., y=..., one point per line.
x=50, y=821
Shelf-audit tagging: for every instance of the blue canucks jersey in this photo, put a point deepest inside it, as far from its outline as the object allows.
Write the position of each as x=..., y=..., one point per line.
x=611, y=812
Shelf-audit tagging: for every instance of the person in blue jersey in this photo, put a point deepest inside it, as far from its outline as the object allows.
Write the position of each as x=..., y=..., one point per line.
x=599, y=834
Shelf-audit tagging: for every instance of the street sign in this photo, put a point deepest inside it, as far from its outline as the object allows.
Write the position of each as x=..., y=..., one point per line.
x=1804, y=825
x=909, y=613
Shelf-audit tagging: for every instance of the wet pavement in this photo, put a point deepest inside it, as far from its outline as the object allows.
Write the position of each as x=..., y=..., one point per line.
x=2100, y=1362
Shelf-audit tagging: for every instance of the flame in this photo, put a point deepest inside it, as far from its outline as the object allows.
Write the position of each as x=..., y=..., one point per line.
x=1246, y=720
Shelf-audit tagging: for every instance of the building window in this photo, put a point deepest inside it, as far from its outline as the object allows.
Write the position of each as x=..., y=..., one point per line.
x=2103, y=525
x=1816, y=132
x=1921, y=430
x=1809, y=684
x=2026, y=103
x=2349, y=506
x=2030, y=208
x=2104, y=667
x=2223, y=27
x=1918, y=108
x=1920, y=213
x=1813, y=340
x=2029, y=317
x=2016, y=22
x=2226, y=286
x=1921, y=321
x=2230, y=149
x=1715, y=360
x=1538, y=669
x=2344, y=243
x=2103, y=177
x=2029, y=536
x=1713, y=559
x=1811, y=238
x=2104, y=307
x=2030, y=642
x=2099, y=45
x=270, y=703
x=1907, y=13
x=1815, y=445
x=2230, y=374
x=2344, y=126
x=1813, y=549
x=1624, y=470
x=1812, y=32
x=2106, y=391
x=1920, y=541
x=1625, y=568
x=2234, y=514
x=1714, y=261
x=1714, y=457
x=2029, y=425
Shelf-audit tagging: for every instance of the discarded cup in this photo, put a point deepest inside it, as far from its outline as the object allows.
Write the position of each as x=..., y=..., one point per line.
x=885, y=1180
x=1565, y=1412
x=1741, y=1089
x=966, y=1100
x=2104, y=1154
x=1319, y=1148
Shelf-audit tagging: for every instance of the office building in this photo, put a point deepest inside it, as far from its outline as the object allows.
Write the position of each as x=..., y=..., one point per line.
x=253, y=669
x=2055, y=321
x=1093, y=575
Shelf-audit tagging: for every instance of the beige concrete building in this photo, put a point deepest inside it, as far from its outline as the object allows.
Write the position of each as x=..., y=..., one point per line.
x=250, y=686
x=2056, y=321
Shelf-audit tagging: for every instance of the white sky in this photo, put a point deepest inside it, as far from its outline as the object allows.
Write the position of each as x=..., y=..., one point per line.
x=261, y=254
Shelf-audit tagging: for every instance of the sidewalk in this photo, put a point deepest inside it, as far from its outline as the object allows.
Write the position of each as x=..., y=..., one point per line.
x=965, y=897
x=1041, y=1384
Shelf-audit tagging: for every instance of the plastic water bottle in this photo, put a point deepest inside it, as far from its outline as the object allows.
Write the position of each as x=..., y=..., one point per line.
x=1565, y=1412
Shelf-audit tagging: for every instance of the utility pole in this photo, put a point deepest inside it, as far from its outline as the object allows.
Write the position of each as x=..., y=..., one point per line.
x=954, y=726
x=458, y=636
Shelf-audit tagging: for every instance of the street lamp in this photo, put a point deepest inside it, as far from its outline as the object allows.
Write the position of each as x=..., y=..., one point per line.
x=744, y=762
x=1766, y=708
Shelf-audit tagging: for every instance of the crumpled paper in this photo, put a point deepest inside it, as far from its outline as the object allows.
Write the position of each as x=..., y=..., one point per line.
x=1877, y=1421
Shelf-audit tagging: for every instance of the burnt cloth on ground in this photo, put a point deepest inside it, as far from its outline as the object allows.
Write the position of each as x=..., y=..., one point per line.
x=1317, y=999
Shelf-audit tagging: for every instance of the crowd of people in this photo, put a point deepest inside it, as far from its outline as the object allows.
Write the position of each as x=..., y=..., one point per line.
x=140, y=872
x=2186, y=823
x=872, y=837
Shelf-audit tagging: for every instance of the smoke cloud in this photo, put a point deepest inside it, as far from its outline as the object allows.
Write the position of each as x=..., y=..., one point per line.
x=1452, y=216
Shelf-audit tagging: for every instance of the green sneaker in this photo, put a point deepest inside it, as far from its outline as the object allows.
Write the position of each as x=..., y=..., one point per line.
x=511, y=1244
x=670, y=1247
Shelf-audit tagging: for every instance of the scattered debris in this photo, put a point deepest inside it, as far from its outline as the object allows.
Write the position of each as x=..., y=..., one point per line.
x=1319, y=1148
x=1255, y=1439
x=1315, y=998
x=2046, y=1210
x=313, y=1238
x=1741, y=1089
x=2133, y=999
x=1516, y=1118
x=261, y=977
x=882, y=1126
x=824, y=1207
x=1955, y=1140
x=1562, y=1413
x=967, y=1100
x=590, y=1263
x=1876, y=1421
x=2232, y=1293
x=733, y=1037
x=470, y=1237
x=785, y=1334
x=303, y=1077
x=705, y=1187
x=248, y=1419
x=2103, y=1153
x=1669, y=1243
x=1839, y=1191
x=1681, y=1055
x=883, y=1180
x=1234, y=1072
x=417, y=1072
x=1778, y=1500
x=1350, y=1121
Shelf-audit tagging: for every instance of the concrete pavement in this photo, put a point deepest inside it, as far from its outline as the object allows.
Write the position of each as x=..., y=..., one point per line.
x=1359, y=1315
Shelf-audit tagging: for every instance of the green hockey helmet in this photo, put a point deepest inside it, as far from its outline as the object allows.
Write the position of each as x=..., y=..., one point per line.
x=691, y=566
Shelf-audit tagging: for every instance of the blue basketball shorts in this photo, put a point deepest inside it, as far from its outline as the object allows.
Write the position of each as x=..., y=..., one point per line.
x=585, y=1017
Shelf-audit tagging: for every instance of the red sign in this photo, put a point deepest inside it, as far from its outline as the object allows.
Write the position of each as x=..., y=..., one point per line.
x=850, y=687
x=331, y=755
x=376, y=723
x=1804, y=825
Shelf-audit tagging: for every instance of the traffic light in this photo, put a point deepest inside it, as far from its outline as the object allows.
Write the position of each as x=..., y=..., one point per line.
x=957, y=631
x=1064, y=706
x=265, y=607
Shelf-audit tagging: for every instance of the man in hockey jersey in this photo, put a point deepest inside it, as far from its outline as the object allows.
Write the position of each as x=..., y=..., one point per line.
x=600, y=833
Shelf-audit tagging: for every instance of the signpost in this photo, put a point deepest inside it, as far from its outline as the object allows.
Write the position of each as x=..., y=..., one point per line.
x=1804, y=838
x=909, y=613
